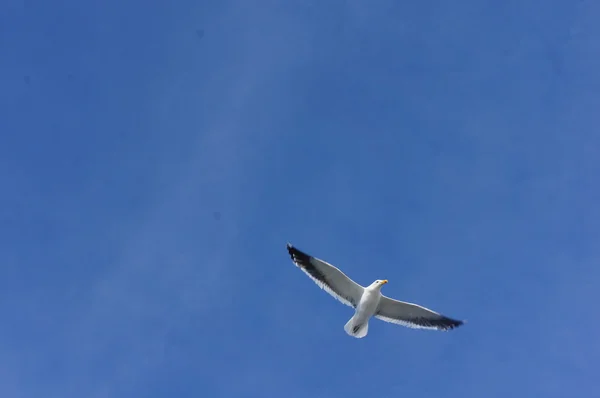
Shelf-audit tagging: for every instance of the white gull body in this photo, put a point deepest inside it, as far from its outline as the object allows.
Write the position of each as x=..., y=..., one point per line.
x=358, y=325
x=367, y=301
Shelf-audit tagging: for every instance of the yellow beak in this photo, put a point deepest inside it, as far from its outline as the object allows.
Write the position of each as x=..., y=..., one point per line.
x=383, y=282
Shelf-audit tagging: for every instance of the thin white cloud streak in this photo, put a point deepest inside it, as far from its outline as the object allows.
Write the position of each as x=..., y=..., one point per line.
x=126, y=319
x=152, y=256
x=168, y=267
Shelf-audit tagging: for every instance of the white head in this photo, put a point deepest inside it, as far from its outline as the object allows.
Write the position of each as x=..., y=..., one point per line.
x=378, y=284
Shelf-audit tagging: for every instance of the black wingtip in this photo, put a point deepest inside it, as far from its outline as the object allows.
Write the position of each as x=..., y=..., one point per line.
x=444, y=323
x=298, y=257
x=291, y=249
x=450, y=323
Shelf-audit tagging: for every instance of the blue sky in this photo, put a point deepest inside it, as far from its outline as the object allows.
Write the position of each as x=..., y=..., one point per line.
x=156, y=158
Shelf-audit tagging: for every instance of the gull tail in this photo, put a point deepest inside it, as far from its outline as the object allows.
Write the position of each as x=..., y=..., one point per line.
x=358, y=330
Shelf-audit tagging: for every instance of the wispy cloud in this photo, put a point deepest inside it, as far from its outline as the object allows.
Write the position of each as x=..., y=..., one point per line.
x=163, y=290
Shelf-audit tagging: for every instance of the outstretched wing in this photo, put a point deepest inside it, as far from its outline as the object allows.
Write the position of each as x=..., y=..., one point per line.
x=413, y=315
x=327, y=277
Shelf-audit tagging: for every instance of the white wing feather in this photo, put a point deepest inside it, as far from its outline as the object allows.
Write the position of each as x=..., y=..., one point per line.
x=413, y=315
x=327, y=277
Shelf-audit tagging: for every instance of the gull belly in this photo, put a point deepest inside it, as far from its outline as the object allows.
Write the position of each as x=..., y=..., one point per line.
x=358, y=325
x=368, y=305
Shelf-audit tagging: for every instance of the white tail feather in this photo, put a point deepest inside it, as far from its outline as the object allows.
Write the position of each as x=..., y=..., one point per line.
x=359, y=331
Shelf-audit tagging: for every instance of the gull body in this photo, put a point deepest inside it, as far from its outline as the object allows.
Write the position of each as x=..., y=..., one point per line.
x=358, y=325
x=368, y=301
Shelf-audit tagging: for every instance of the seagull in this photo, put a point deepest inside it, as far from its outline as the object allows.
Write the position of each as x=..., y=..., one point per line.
x=368, y=301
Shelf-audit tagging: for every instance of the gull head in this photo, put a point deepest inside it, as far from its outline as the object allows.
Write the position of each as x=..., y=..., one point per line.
x=378, y=284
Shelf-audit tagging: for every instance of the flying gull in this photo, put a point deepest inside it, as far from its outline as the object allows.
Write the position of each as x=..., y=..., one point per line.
x=367, y=301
